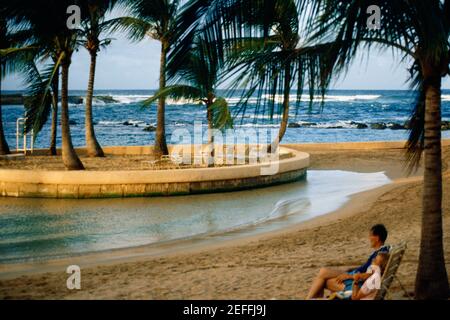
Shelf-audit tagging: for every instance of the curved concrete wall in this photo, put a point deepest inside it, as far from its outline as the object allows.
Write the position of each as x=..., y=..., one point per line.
x=104, y=184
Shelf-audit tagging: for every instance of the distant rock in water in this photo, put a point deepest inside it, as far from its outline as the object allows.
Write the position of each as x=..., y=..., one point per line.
x=12, y=99
x=18, y=99
x=309, y=124
x=72, y=122
x=359, y=125
x=127, y=123
x=105, y=99
x=150, y=128
x=378, y=126
x=445, y=125
x=301, y=125
x=76, y=100
x=396, y=126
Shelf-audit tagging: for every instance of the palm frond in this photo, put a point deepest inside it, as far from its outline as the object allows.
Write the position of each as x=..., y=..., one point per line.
x=136, y=29
x=16, y=60
x=221, y=114
x=38, y=101
x=263, y=74
x=416, y=138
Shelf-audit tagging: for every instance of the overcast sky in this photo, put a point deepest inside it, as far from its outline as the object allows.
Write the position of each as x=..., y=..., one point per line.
x=126, y=65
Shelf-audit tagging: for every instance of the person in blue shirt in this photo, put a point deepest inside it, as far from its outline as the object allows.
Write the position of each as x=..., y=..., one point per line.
x=338, y=280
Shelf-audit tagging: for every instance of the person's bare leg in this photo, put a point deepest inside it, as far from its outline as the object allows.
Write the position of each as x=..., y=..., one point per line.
x=320, y=282
x=333, y=285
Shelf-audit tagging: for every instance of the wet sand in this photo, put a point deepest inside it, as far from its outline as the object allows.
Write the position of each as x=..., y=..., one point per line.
x=278, y=265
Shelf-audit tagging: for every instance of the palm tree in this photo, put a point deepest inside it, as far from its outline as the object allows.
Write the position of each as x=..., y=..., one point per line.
x=156, y=19
x=21, y=56
x=4, y=148
x=54, y=124
x=94, y=24
x=420, y=31
x=261, y=41
x=47, y=21
x=15, y=57
x=273, y=57
x=417, y=29
x=197, y=79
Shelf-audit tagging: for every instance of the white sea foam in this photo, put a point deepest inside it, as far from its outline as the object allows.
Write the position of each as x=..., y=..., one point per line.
x=110, y=123
x=267, y=117
x=339, y=123
x=329, y=98
x=256, y=125
x=116, y=123
x=127, y=99
x=130, y=99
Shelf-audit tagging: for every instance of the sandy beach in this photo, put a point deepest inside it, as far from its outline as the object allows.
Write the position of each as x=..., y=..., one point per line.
x=279, y=265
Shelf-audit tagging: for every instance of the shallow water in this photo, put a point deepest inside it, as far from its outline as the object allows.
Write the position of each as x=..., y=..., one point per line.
x=41, y=229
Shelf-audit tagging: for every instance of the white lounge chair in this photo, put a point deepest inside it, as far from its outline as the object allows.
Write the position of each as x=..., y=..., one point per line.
x=395, y=258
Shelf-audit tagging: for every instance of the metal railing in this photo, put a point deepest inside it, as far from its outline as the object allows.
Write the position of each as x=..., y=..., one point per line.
x=21, y=135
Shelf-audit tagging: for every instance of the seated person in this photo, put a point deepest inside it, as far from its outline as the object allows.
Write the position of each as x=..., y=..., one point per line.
x=338, y=280
x=371, y=285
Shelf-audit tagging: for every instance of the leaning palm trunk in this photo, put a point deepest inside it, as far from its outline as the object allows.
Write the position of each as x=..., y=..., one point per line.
x=93, y=148
x=285, y=117
x=55, y=97
x=4, y=148
x=160, y=136
x=69, y=156
x=431, y=280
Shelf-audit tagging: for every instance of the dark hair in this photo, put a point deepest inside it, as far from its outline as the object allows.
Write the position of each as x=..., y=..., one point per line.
x=380, y=231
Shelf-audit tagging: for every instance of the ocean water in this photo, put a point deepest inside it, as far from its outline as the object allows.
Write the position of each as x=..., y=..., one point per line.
x=335, y=122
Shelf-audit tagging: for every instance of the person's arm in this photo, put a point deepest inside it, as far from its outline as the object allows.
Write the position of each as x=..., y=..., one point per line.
x=357, y=292
x=361, y=276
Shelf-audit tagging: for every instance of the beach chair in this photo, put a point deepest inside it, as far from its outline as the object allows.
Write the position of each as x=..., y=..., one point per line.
x=176, y=159
x=148, y=164
x=395, y=258
x=198, y=158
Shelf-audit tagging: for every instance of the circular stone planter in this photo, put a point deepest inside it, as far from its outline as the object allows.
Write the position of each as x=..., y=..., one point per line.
x=145, y=183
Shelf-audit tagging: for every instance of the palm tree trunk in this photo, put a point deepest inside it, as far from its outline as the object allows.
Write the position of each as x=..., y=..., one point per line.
x=209, y=115
x=4, y=148
x=69, y=156
x=285, y=117
x=53, y=132
x=431, y=279
x=92, y=146
x=160, y=135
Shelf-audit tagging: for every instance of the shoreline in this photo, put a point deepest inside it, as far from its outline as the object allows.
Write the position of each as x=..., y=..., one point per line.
x=201, y=260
